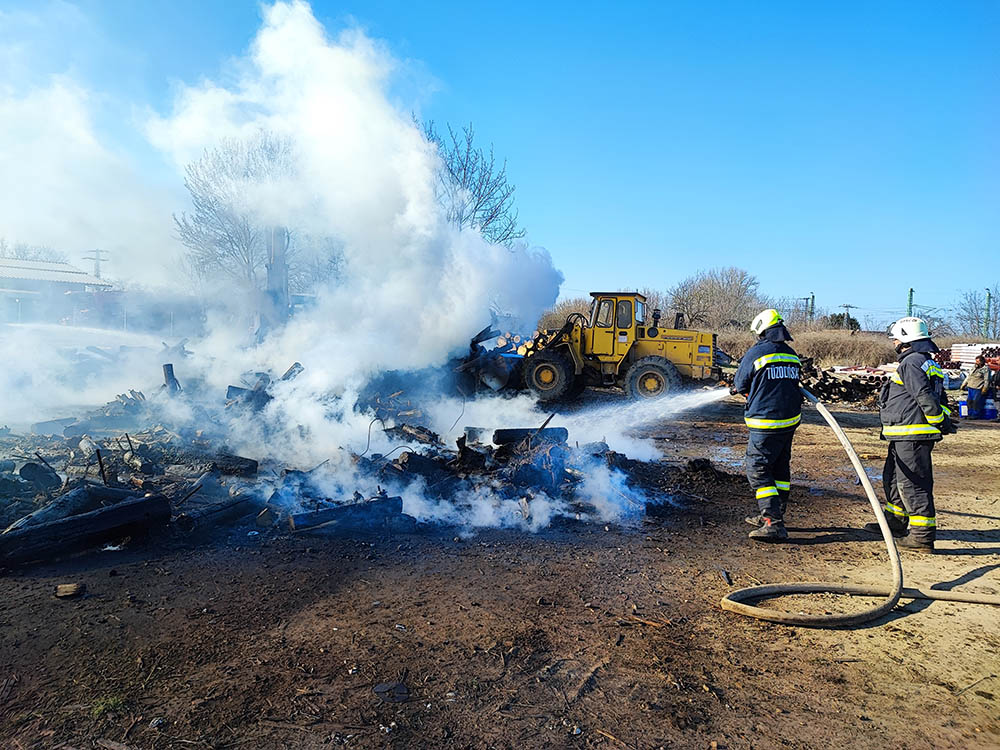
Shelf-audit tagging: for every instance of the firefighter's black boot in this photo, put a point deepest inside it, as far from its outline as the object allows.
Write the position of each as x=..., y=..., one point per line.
x=758, y=519
x=916, y=544
x=771, y=531
x=874, y=528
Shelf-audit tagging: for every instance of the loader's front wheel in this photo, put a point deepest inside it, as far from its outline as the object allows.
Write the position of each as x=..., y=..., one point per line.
x=651, y=377
x=549, y=375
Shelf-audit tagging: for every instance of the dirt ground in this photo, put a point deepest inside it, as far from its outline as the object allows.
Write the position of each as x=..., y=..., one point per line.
x=579, y=636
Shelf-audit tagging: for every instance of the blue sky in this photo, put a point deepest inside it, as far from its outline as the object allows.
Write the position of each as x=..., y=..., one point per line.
x=846, y=149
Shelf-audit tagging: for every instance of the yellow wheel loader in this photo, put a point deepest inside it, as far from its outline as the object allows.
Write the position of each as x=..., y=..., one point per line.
x=616, y=346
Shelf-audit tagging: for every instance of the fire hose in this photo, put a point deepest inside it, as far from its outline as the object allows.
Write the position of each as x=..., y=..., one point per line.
x=735, y=601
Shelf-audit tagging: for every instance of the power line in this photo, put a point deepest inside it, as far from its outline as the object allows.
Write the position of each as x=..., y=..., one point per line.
x=847, y=314
x=95, y=255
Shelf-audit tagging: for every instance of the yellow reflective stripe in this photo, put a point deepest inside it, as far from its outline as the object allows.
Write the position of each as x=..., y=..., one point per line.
x=772, y=424
x=932, y=369
x=946, y=410
x=936, y=420
x=767, y=492
x=896, y=379
x=768, y=359
x=895, y=510
x=923, y=521
x=783, y=485
x=903, y=430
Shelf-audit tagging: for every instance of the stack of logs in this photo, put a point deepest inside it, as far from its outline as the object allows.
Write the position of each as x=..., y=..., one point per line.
x=862, y=385
x=396, y=406
x=515, y=343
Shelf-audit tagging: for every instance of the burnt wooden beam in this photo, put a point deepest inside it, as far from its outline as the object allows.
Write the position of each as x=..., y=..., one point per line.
x=544, y=435
x=169, y=381
x=84, y=531
x=367, y=514
x=205, y=517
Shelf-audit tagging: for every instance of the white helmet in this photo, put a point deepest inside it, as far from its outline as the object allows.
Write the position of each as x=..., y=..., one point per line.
x=907, y=330
x=765, y=320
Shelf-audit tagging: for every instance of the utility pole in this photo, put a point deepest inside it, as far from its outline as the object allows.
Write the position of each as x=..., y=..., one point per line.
x=812, y=305
x=986, y=315
x=95, y=256
x=909, y=304
x=847, y=314
x=806, y=301
x=276, y=300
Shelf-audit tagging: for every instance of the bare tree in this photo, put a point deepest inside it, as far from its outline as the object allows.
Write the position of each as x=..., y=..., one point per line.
x=315, y=262
x=972, y=317
x=555, y=317
x=656, y=300
x=473, y=187
x=718, y=298
x=224, y=233
x=21, y=251
x=939, y=325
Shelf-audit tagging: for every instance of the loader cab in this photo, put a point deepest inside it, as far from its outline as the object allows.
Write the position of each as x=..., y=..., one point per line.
x=613, y=320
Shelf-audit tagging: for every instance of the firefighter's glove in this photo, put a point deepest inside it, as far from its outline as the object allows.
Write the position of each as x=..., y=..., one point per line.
x=733, y=391
x=949, y=426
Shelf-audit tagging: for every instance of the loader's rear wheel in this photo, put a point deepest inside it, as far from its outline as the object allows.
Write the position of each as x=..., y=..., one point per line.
x=549, y=375
x=651, y=377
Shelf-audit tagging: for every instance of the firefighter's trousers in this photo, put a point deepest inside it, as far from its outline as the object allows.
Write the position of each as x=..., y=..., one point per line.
x=768, y=465
x=908, y=481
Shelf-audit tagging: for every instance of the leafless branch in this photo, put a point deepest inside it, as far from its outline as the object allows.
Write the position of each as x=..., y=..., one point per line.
x=21, y=251
x=473, y=186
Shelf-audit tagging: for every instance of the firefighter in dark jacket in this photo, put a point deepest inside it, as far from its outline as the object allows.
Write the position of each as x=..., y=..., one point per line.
x=768, y=376
x=913, y=408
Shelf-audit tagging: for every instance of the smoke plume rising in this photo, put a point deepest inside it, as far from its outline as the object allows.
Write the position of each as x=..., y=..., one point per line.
x=413, y=288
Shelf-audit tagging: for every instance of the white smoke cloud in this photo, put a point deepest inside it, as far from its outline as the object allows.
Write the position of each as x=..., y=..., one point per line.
x=46, y=372
x=64, y=187
x=414, y=287
x=615, y=423
x=75, y=173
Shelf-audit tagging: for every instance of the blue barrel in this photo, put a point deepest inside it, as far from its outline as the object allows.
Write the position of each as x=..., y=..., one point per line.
x=990, y=409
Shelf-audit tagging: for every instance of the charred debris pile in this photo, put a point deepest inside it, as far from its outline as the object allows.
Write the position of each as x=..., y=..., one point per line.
x=126, y=472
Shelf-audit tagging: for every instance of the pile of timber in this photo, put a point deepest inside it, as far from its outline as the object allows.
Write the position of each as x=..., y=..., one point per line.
x=512, y=468
x=122, y=479
x=255, y=393
x=518, y=464
x=515, y=343
x=62, y=495
x=397, y=406
x=847, y=385
x=116, y=473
